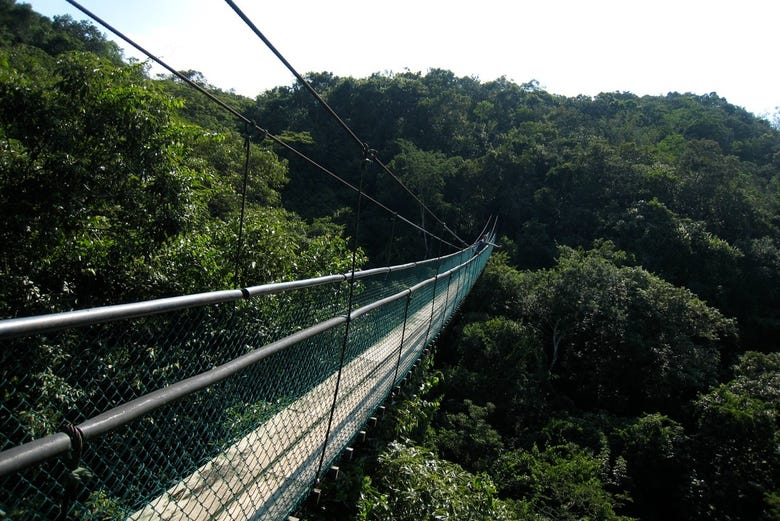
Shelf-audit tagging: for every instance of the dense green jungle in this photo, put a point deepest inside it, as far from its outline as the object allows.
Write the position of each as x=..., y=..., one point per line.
x=619, y=357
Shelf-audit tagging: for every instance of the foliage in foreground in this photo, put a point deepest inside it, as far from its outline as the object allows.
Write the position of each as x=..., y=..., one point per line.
x=413, y=484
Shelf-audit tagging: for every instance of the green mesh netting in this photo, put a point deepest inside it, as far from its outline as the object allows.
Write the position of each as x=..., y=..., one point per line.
x=248, y=446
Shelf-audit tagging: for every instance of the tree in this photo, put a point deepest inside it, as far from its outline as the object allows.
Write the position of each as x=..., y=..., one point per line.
x=735, y=443
x=468, y=438
x=500, y=362
x=736, y=458
x=19, y=24
x=92, y=181
x=656, y=451
x=681, y=250
x=412, y=484
x=562, y=482
x=619, y=337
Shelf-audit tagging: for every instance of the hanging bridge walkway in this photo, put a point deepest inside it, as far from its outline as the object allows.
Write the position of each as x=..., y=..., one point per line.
x=226, y=405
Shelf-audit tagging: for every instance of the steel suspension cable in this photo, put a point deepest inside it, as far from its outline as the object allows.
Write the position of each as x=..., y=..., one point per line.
x=295, y=73
x=390, y=242
x=240, y=116
x=362, y=144
x=355, y=189
x=389, y=172
x=163, y=64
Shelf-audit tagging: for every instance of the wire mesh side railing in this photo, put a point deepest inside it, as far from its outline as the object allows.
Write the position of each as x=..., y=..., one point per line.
x=248, y=388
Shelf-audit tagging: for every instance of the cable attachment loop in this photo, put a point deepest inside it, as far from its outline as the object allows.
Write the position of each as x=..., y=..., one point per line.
x=73, y=480
x=76, y=444
x=264, y=134
x=369, y=154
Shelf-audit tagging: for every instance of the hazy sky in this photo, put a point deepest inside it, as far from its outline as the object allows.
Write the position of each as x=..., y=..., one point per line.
x=570, y=46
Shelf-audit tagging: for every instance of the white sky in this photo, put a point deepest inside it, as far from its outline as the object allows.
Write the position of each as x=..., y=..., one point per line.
x=570, y=46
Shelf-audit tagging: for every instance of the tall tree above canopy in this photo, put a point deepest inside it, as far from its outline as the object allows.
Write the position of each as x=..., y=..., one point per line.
x=619, y=337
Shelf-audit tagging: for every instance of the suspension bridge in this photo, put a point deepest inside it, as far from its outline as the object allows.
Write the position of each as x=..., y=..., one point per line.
x=243, y=420
x=224, y=405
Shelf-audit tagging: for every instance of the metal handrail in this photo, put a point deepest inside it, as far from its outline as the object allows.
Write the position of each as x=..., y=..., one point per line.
x=14, y=327
x=37, y=451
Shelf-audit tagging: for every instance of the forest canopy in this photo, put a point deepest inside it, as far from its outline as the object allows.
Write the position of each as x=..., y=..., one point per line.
x=618, y=358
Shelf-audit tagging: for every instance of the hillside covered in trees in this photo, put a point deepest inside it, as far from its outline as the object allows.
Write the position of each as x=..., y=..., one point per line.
x=617, y=360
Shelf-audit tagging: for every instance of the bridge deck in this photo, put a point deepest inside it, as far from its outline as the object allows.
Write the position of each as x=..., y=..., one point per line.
x=263, y=474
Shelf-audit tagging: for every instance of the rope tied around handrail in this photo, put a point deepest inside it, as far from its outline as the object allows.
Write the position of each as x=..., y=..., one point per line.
x=74, y=478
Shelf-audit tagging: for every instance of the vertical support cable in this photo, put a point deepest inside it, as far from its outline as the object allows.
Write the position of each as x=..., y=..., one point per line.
x=403, y=337
x=240, y=242
x=462, y=280
x=476, y=270
x=349, y=320
x=473, y=271
x=447, y=298
x=424, y=234
x=390, y=242
x=433, y=300
x=466, y=272
x=466, y=280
